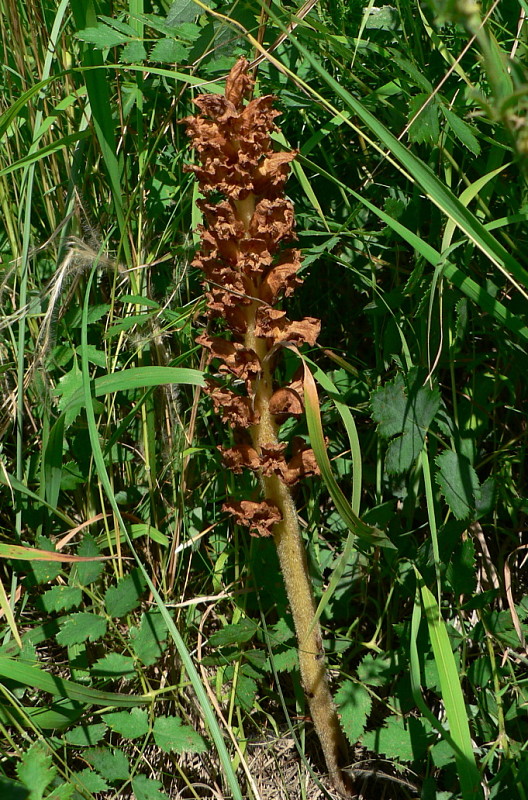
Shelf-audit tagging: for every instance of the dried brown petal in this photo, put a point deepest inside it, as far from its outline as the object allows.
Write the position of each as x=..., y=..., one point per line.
x=272, y=459
x=222, y=217
x=273, y=221
x=239, y=360
x=286, y=403
x=272, y=173
x=233, y=408
x=303, y=463
x=240, y=456
x=282, y=277
x=254, y=257
x=217, y=107
x=238, y=83
x=273, y=324
x=258, y=517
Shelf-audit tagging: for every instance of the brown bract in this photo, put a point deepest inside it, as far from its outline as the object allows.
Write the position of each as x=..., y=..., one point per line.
x=237, y=359
x=286, y=403
x=258, y=517
x=272, y=324
x=236, y=410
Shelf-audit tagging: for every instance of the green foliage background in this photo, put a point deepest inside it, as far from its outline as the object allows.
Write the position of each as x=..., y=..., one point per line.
x=410, y=194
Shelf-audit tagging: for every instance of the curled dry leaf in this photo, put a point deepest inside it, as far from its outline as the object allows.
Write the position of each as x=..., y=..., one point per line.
x=282, y=278
x=302, y=464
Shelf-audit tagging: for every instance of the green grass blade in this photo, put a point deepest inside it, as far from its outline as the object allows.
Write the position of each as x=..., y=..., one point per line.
x=43, y=152
x=38, y=678
x=368, y=534
x=136, y=378
x=452, y=696
x=478, y=294
x=58, y=716
x=350, y=427
x=419, y=172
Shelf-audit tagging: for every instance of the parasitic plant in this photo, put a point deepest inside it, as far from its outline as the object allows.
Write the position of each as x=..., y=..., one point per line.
x=249, y=265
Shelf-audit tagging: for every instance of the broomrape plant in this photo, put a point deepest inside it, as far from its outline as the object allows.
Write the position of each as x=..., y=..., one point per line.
x=249, y=265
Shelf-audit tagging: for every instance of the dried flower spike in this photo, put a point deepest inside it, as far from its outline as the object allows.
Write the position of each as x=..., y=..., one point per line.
x=249, y=264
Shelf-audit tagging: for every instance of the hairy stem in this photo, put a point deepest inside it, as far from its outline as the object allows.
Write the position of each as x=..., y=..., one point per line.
x=294, y=567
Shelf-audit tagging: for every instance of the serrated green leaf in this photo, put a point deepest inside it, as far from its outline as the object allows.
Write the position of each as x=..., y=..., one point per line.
x=280, y=633
x=80, y=627
x=169, y=51
x=102, y=37
x=425, y=128
x=147, y=789
x=88, y=572
x=95, y=356
x=354, y=704
x=61, y=598
x=44, y=571
x=462, y=130
x=114, y=665
x=63, y=792
x=118, y=24
x=245, y=691
x=189, y=31
x=112, y=764
x=71, y=476
x=68, y=384
x=86, y=735
x=148, y=641
x=376, y=670
x=172, y=736
x=238, y=633
x=36, y=770
x=90, y=780
x=286, y=660
x=408, y=411
x=130, y=724
x=400, y=739
x=123, y=598
x=458, y=483
x=183, y=11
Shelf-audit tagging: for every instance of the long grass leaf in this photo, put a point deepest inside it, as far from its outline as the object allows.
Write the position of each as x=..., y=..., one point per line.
x=419, y=172
x=136, y=378
x=5, y=605
x=452, y=696
x=28, y=675
x=19, y=553
x=368, y=534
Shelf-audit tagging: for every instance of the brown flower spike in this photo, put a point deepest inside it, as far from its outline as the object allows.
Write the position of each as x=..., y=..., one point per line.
x=249, y=264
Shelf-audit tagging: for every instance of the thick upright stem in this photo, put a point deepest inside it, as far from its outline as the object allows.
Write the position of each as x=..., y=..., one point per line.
x=292, y=559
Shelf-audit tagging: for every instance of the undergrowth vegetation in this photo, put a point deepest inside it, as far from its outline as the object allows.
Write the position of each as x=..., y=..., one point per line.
x=147, y=649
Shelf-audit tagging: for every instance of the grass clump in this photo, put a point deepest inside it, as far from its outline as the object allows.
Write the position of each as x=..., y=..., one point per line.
x=147, y=646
